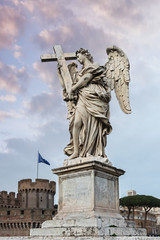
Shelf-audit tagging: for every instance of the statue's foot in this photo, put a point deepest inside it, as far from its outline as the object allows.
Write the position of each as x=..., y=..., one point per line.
x=74, y=155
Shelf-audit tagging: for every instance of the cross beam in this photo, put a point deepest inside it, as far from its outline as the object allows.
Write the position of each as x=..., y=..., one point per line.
x=53, y=57
x=60, y=57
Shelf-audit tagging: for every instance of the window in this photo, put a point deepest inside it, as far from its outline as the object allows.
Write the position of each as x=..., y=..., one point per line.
x=8, y=213
x=42, y=212
x=22, y=212
x=33, y=225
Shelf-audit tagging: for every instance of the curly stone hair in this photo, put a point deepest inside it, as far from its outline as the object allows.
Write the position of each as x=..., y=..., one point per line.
x=86, y=53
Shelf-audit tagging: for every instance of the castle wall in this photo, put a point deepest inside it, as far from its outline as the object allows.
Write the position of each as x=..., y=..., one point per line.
x=9, y=200
x=38, y=194
x=32, y=199
x=33, y=205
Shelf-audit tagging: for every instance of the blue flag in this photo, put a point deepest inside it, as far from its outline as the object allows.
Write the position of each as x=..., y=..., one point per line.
x=42, y=160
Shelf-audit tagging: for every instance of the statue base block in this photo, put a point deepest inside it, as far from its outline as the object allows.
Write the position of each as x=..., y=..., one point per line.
x=88, y=203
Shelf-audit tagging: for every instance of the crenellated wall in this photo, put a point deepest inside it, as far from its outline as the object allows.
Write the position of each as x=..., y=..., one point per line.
x=9, y=200
x=33, y=205
x=38, y=194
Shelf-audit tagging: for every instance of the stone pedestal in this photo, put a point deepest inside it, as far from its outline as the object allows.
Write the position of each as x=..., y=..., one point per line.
x=88, y=202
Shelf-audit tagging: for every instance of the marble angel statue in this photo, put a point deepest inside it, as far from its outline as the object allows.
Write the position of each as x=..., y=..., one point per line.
x=89, y=97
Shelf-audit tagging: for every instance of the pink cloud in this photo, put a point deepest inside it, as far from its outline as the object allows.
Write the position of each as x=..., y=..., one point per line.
x=12, y=78
x=11, y=22
x=48, y=36
x=46, y=10
x=9, y=114
x=48, y=73
x=8, y=98
x=17, y=51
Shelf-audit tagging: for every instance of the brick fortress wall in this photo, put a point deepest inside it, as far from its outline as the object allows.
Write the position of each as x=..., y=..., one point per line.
x=33, y=205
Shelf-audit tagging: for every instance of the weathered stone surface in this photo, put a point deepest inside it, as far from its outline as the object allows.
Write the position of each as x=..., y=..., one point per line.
x=80, y=238
x=88, y=203
x=88, y=186
x=69, y=162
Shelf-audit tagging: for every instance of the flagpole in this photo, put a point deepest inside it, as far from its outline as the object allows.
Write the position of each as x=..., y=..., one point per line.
x=41, y=160
x=37, y=165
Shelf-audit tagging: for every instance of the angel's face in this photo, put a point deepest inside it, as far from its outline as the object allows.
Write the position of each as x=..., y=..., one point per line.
x=80, y=58
x=110, y=56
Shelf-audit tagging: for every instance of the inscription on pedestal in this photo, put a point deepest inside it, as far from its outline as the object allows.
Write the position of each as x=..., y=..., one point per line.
x=76, y=192
x=105, y=192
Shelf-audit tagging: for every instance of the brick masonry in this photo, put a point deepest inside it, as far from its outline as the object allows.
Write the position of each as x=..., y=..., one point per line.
x=33, y=204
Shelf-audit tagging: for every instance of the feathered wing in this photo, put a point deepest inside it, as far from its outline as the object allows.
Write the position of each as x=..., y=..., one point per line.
x=117, y=73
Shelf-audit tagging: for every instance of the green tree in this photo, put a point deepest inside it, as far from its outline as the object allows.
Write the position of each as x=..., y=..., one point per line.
x=130, y=203
x=147, y=202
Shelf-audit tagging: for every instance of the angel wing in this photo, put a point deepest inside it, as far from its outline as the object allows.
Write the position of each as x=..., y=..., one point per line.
x=117, y=73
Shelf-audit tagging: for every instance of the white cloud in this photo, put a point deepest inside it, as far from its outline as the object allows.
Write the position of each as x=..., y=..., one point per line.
x=10, y=114
x=17, y=47
x=47, y=36
x=17, y=54
x=8, y=98
x=17, y=51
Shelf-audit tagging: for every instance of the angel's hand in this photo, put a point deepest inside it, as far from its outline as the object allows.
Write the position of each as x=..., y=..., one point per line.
x=70, y=94
x=59, y=67
x=77, y=79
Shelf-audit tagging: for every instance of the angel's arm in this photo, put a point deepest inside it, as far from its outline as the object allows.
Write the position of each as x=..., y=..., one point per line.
x=82, y=82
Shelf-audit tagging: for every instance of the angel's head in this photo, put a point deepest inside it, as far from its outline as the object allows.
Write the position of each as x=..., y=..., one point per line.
x=82, y=54
x=111, y=54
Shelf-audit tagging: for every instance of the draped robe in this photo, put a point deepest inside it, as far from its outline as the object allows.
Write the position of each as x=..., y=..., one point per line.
x=93, y=107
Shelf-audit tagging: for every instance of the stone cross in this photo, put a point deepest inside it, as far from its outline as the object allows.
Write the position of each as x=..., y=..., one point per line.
x=61, y=57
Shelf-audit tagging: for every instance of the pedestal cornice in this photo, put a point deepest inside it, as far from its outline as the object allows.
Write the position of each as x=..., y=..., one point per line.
x=96, y=165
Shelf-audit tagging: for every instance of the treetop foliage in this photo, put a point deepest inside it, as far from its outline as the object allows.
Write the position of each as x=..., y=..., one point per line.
x=140, y=201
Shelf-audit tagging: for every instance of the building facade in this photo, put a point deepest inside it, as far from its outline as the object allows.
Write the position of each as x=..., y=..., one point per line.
x=33, y=204
x=138, y=217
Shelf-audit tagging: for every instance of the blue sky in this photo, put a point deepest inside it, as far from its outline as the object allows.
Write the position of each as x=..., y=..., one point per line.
x=32, y=112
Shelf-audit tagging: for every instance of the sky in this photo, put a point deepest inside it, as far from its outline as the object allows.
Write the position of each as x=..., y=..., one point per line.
x=32, y=111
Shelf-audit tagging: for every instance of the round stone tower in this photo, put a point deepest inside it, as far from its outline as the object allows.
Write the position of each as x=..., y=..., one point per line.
x=38, y=194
